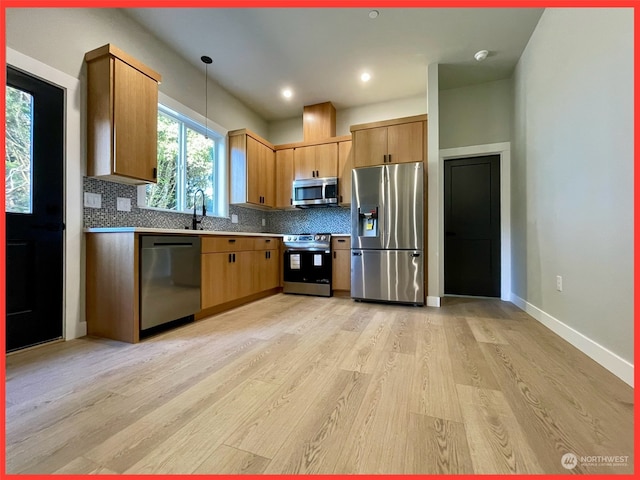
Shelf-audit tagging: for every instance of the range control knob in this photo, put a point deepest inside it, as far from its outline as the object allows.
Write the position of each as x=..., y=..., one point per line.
x=323, y=238
x=317, y=237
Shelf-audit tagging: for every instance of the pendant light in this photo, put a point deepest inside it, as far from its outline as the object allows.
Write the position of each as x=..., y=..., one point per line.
x=207, y=61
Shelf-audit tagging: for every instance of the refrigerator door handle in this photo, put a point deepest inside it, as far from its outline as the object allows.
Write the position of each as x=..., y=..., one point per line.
x=356, y=254
x=415, y=254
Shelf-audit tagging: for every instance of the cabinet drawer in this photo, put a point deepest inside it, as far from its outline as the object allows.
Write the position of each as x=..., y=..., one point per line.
x=340, y=243
x=265, y=243
x=226, y=244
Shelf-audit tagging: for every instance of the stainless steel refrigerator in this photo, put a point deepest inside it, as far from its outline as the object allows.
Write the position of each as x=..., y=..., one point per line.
x=387, y=230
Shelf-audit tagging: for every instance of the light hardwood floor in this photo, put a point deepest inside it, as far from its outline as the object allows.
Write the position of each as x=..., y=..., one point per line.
x=295, y=384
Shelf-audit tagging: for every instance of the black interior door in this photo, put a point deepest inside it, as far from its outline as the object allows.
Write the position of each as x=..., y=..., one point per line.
x=472, y=226
x=34, y=157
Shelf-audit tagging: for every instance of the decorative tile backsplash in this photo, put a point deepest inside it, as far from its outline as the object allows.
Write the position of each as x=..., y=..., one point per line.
x=331, y=220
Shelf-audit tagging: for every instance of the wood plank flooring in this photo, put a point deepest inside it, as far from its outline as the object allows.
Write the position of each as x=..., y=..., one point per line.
x=294, y=384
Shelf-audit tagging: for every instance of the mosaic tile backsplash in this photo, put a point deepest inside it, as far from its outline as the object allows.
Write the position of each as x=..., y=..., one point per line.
x=331, y=220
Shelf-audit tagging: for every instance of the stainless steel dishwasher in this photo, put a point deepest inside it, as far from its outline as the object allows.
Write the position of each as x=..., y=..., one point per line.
x=169, y=279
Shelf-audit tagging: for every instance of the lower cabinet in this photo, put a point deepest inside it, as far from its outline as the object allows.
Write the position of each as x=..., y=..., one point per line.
x=341, y=268
x=237, y=267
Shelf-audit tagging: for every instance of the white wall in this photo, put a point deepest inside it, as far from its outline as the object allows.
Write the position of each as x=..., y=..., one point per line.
x=476, y=114
x=290, y=130
x=572, y=179
x=59, y=37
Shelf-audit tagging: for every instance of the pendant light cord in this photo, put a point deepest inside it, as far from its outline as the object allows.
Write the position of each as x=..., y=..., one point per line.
x=207, y=61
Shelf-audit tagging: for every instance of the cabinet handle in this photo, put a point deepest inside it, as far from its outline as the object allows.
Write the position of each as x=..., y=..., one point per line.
x=155, y=172
x=341, y=240
x=313, y=173
x=268, y=240
x=234, y=258
x=334, y=254
x=229, y=258
x=317, y=174
x=389, y=158
x=291, y=201
x=232, y=240
x=385, y=159
x=340, y=198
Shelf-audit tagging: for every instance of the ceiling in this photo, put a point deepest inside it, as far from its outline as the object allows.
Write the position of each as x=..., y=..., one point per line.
x=320, y=52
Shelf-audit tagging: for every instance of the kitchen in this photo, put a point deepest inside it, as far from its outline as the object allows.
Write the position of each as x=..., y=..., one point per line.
x=249, y=221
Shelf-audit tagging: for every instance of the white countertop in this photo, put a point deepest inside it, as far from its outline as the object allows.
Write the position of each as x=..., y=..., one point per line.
x=184, y=231
x=163, y=231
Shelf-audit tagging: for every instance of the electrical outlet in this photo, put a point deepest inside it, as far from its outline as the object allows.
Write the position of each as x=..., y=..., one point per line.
x=92, y=200
x=234, y=218
x=264, y=222
x=558, y=283
x=123, y=204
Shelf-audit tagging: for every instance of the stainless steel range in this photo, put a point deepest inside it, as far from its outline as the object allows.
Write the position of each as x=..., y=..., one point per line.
x=307, y=264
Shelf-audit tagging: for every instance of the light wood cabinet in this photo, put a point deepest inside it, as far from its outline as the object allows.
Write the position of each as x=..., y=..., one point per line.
x=316, y=161
x=252, y=176
x=266, y=269
x=284, y=178
x=122, y=117
x=392, y=141
x=345, y=165
x=341, y=268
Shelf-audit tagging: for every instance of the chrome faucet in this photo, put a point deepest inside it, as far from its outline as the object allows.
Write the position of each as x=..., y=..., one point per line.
x=194, y=220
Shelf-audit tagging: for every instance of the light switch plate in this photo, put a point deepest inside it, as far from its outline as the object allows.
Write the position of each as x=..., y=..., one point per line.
x=92, y=200
x=123, y=204
x=234, y=218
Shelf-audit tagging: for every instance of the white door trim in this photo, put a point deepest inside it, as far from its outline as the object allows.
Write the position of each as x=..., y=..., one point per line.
x=74, y=324
x=504, y=150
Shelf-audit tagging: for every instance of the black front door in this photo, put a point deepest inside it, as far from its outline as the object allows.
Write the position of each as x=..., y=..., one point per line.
x=34, y=157
x=472, y=226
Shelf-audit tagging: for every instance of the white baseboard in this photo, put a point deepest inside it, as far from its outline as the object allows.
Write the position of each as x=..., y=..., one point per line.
x=433, y=301
x=609, y=360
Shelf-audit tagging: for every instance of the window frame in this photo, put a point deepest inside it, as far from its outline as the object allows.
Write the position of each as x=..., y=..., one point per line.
x=193, y=120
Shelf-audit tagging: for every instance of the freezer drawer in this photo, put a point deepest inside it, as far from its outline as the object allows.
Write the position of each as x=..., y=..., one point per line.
x=388, y=275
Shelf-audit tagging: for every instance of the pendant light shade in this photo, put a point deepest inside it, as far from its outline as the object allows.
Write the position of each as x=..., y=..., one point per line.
x=207, y=61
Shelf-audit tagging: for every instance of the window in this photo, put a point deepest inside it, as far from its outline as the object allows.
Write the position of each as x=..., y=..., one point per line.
x=188, y=160
x=18, y=135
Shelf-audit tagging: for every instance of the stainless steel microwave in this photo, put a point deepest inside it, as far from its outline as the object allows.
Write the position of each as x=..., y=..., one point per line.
x=315, y=192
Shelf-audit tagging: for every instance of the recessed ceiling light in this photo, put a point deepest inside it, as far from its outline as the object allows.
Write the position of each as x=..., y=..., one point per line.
x=287, y=93
x=373, y=13
x=365, y=77
x=481, y=55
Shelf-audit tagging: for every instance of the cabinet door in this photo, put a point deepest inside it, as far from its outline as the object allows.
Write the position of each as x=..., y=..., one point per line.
x=345, y=164
x=304, y=160
x=268, y=176
x=284, y=178
x=266, y=273
x=371, y=146
x=406, y=142
x=135, y=120
x=241, y=274
x=216, y=287
x=341, y=273
x=326, y=160
x=253, y=171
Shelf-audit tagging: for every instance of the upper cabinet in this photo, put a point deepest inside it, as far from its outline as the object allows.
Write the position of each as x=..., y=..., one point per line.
x=316, y=161
x=345, y=165
x=252, y=161
x=284, y=178
x=122, y=117
x=401, y=140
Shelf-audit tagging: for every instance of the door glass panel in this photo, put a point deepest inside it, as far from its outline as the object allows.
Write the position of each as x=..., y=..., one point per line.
x=19, y=151
x=200, y=168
